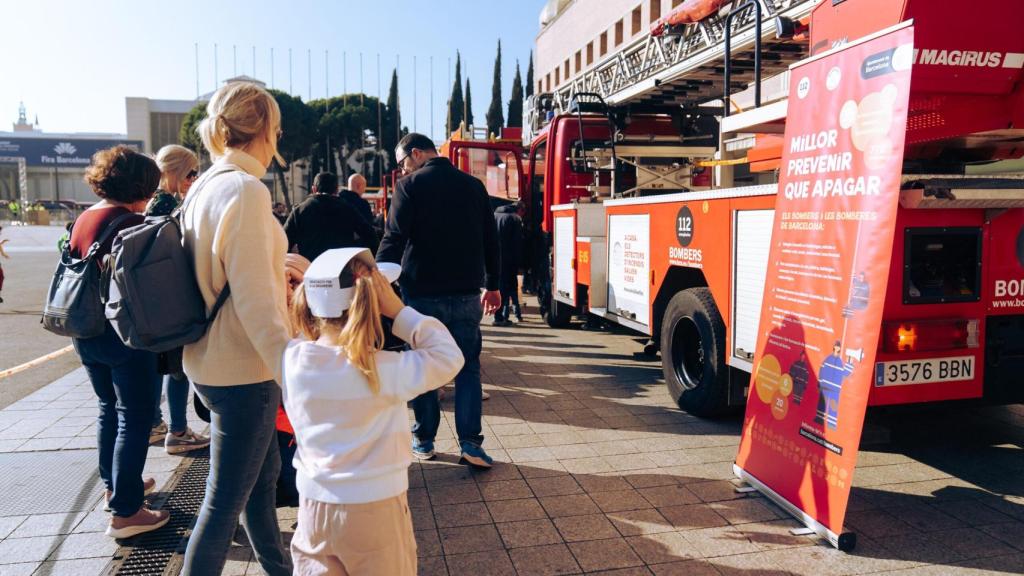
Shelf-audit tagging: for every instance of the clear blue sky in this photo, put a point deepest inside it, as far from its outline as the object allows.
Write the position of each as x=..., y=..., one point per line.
x=74, y=61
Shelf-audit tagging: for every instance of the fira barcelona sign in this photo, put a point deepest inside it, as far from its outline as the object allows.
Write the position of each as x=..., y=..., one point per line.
x=58, y=152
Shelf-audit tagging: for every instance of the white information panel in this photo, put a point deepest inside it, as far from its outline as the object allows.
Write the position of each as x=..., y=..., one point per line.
x=565, y=251
x=629, y=266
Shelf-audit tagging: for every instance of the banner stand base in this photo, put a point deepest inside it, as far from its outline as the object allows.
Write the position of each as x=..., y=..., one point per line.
x=845, y=542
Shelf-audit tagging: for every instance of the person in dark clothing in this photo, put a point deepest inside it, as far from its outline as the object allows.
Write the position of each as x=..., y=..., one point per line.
x=442, y=231
x=353, y=196
x=509, y=219
x=324, y=221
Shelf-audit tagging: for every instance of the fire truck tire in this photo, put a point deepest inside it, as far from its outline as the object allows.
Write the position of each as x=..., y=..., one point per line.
x=693, y=353
x=559, y=314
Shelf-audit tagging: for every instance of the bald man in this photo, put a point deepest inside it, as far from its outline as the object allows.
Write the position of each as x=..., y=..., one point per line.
x=353, y=196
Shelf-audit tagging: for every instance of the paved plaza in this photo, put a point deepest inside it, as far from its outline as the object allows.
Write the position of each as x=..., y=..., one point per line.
x=597, y=472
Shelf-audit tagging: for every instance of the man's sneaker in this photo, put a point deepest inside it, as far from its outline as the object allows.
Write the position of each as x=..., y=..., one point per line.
x=148, y=486
x=422, y=450
x=501, y=323
x=145, y=520
x=158, y=432
x=475, y=456
x=175, y=444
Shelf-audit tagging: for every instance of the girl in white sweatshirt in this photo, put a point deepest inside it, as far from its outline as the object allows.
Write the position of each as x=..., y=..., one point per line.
x=346, y=399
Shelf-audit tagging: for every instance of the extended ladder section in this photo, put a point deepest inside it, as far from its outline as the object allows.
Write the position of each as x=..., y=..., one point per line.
x=681, y=69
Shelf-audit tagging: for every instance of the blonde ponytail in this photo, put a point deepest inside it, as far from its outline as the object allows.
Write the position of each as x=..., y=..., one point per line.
x=363, y=335
x=237, y=114
x=359, y=331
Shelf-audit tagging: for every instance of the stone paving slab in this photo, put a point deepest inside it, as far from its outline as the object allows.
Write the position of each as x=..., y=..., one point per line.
x=51, y=512
x=598, y=472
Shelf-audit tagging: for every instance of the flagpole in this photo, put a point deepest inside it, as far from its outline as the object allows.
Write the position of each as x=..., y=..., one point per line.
x=432, y=135
x=415, y=123
x=197, y=72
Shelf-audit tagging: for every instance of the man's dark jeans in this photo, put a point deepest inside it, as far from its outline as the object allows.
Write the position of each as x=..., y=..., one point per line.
x=244, y=464
x=509, y=297
x=461, y=315
x=125, y=381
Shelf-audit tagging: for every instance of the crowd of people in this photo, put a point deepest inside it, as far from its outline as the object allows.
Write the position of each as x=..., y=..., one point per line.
x=305, y=341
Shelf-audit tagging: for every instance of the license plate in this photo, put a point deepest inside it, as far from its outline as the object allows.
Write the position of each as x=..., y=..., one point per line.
x=924, y=371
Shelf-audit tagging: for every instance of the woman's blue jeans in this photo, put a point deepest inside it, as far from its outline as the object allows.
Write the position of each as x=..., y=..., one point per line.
x=125, y=381
x=244, y=465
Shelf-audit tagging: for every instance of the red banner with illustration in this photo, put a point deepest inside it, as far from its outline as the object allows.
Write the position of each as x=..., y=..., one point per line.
x=827, y=273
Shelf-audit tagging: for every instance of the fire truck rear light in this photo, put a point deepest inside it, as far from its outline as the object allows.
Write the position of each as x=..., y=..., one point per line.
x=929, y=335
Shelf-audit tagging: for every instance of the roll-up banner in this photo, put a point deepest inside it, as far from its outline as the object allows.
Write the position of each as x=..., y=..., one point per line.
x=825, y=286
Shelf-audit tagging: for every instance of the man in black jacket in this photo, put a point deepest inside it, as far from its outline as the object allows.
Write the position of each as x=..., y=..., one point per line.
x=442, y=230
x=509, y=219
x=323, y=221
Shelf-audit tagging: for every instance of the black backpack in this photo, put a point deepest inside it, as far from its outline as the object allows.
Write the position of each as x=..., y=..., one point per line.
x=153, y=300
x=74, y=303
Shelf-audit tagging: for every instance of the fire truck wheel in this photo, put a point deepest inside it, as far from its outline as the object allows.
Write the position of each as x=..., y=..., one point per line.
x=559, y=314
x=693, y=353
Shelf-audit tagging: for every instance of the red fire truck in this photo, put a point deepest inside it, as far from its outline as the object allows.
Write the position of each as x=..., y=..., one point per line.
x=651, y=185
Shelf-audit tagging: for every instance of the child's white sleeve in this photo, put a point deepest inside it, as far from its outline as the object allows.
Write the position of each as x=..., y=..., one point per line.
x=433, y=361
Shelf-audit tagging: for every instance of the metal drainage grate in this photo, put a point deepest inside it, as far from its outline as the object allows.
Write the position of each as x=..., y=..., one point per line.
x=150, y=554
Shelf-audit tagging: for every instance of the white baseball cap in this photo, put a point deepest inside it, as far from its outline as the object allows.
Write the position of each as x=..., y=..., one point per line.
x=329, y=281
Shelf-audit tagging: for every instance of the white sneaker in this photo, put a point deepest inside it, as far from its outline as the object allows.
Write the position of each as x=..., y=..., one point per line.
x=188, y=441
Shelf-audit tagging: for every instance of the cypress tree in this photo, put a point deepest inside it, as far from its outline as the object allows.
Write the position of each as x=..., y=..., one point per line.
x=456, y=105
x=495, y=116
x=392, y=120
x=515, y=104
x=529, y=77
x=469, y=105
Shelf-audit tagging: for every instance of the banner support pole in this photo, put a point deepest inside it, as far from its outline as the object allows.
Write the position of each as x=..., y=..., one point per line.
x=845, y=542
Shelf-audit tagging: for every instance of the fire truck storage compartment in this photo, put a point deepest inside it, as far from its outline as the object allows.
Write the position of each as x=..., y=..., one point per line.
x=597, y=295
x=753, y=235
x=570, y=220
x=564, y=253
x=629, y=269
x=942, y=265
x=1004, y=358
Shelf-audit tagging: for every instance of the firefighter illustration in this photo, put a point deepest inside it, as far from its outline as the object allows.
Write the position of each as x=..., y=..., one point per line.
x=799, y=371
x=860, y=293
x=830, y=383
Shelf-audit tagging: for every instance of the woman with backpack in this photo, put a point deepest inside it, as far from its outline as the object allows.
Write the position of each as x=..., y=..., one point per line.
x=179, y=168
x=235, y=242
x=125, y=380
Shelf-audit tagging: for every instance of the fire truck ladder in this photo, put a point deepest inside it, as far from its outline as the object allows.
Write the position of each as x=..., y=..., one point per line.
x=688, y=68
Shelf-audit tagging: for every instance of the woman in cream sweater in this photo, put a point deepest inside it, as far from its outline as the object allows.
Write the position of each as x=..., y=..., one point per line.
x=234, y=239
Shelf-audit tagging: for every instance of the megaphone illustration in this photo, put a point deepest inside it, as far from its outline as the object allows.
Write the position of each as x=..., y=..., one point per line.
x=855, y=354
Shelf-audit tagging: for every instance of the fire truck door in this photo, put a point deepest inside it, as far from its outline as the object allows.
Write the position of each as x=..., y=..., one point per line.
x=753, y=234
